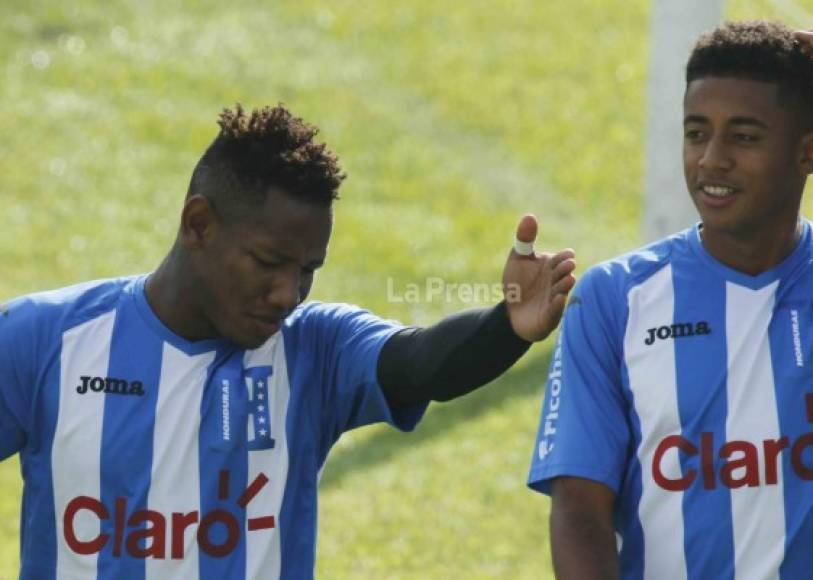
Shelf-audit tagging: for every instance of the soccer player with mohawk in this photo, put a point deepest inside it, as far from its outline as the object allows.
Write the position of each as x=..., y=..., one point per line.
x=676, y=437
x=173, y=425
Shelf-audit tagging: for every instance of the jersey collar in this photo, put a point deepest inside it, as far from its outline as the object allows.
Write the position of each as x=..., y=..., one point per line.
x=800, y=254
x=154, y=323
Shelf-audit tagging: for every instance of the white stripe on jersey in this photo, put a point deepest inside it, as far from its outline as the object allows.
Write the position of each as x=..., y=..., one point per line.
x=263, y=555
x=758, y=513
x=175, y=485
x=652, y=378
x=76, y=452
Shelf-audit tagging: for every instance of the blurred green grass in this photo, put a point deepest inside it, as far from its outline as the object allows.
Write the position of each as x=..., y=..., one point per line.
x=451, y=118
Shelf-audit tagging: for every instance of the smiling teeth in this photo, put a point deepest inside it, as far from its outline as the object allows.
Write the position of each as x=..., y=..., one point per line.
x=717, y=191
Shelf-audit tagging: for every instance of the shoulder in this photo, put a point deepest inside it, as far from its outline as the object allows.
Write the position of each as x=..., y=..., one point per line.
x=327, y=314
x=337, y=324
x=61, y=309
x=614, y=278
x=315, y=309
x=602, y=293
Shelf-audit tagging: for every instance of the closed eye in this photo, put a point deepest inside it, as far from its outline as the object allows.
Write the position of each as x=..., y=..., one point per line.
x=268, y=264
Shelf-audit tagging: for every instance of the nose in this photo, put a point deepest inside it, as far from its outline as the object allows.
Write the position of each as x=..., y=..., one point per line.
x=716, y=156
x=284, y=293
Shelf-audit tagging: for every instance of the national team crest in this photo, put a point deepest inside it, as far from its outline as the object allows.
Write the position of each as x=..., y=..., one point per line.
x=259, y=416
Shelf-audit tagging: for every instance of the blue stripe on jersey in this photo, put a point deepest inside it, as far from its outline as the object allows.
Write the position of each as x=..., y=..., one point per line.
x=223, y=470
x=700, y=361
x=791, y=333
x=37, y=531
x=298, y=551
x=127, y=446
x=631, y=555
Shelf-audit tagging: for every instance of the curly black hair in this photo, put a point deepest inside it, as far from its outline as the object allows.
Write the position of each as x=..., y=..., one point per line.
x=760, y=51
x=268, y=148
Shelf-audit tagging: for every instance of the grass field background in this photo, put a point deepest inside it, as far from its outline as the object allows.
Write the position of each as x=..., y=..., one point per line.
x=452, y=118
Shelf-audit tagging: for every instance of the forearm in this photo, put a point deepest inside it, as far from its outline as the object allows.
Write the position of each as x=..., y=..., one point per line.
x=582, y=541
x=451, y=358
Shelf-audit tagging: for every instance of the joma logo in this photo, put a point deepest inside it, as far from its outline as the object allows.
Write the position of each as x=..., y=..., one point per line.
x=677, y=330
x=110, y=385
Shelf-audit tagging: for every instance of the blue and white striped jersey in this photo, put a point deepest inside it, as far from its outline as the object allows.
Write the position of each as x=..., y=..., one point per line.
x=148, y=456
x=687, y=388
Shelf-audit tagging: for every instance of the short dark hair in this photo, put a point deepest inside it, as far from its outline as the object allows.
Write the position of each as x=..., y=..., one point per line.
x=268, y=148
x=760, y=51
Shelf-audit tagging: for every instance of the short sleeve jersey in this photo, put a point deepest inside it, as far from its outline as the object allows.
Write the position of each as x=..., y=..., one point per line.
x=148, y=456
x=686, y=387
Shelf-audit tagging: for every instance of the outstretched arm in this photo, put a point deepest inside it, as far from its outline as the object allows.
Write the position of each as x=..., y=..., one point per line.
x=470, y=349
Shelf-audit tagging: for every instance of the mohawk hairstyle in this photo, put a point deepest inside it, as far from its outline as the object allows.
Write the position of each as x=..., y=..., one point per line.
x=267, y=148
x=760, y=51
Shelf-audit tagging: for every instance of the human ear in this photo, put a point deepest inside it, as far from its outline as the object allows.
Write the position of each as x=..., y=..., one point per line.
x=199, y=222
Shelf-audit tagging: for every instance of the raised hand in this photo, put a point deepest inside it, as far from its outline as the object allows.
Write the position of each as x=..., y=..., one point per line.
x=536, y=285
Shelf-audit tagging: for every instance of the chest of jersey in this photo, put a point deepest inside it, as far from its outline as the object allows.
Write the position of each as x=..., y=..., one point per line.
x=719, y=378
x=165, y=463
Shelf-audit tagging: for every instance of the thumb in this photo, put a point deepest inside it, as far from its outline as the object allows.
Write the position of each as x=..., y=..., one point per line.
x=527, y=228
x=805, y=37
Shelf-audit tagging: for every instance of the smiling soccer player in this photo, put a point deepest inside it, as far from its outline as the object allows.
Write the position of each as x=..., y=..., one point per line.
x=679, y=409
x=174, y=425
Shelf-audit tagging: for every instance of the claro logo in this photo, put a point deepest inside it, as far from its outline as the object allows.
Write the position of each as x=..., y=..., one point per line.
x=743, y=462
x=154, y=541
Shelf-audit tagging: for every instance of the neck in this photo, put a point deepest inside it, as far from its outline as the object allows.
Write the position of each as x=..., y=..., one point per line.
x=171, y=293
x=755, y=252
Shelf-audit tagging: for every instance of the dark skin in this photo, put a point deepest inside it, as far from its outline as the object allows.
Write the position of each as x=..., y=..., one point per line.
x=582, y=536
x=238, y=277
x=746, y=160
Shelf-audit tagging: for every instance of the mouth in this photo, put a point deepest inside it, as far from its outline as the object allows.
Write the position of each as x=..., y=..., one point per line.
x=717, y=194
x=268, y=324
x=718, y=191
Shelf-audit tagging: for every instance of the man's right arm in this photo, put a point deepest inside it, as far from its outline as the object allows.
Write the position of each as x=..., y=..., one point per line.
x=16, y=377
x=581, y=530
x=584, y=438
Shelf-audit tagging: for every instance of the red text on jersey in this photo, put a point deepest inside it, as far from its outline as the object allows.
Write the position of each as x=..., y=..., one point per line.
x=161, y=536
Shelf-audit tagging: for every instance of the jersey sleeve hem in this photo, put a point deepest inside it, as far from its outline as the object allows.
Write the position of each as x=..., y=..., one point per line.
x=403, y=418
x=541, y=476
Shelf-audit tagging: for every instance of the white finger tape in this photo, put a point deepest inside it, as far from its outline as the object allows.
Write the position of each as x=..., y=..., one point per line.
x=523, y=248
